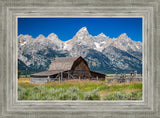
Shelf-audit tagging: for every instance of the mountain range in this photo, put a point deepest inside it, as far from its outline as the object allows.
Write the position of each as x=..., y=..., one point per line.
x=103, y=54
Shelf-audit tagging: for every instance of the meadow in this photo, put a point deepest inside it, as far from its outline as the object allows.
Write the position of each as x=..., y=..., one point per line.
x=79, y=90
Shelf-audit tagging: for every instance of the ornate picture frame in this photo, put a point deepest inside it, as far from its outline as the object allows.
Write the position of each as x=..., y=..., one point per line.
x=11, y=107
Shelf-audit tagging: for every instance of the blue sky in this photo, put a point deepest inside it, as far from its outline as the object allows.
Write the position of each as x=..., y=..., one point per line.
x=66, y=28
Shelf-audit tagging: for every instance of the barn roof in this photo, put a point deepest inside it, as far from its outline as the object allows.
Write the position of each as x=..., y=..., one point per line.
x=47, y=73
x=63, y=63
x=93, y=72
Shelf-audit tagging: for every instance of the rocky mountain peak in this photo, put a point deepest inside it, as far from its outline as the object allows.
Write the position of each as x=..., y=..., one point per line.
x=20, y=35
x=52, y=36
x=83, y=29
x=102, y=35
x=24, y=36
x=40, y=36
x=82, y=32
x=123, y=36
x=24, y=39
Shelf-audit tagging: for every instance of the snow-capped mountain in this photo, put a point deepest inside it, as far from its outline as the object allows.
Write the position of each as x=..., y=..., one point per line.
x=82, y=37
x=102, y=53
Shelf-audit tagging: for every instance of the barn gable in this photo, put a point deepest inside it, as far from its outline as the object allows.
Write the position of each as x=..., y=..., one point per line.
x=80, y=64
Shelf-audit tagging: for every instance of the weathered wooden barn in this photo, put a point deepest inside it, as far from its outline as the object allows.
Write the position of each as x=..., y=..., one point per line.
x=66, y=68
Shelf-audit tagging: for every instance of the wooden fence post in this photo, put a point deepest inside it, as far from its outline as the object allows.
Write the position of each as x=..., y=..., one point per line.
x=61, y=76
x=48, y=79
x=68, y=75
x=135, y=72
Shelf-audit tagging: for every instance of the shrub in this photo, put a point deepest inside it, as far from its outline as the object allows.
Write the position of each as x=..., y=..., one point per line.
x=21, y=93
x=92, y=95
x=72, y=93
x=136, y=95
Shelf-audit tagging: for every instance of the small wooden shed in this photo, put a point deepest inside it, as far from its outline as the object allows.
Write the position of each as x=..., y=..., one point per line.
x=65, y=69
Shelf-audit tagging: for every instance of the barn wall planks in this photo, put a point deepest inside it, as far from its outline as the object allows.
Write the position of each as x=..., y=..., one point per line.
x=39, y=80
